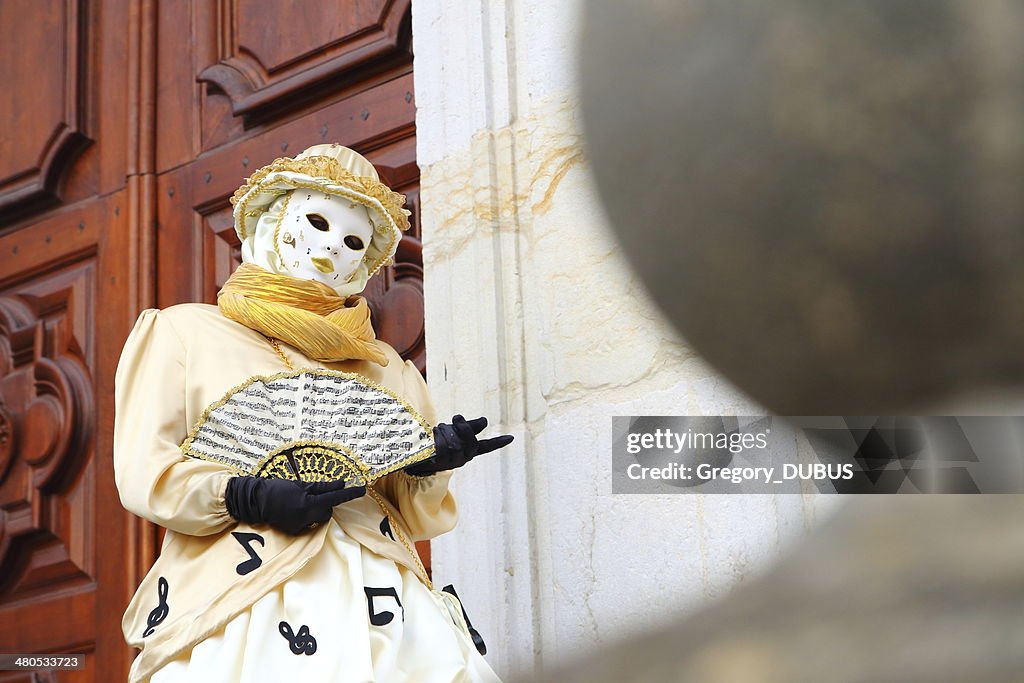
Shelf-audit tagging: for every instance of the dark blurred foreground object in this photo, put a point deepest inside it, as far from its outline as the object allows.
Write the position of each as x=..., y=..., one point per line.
x=895, y=589
x=825, y=196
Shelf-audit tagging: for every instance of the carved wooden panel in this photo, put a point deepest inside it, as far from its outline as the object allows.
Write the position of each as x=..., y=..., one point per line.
x=396, y=292
x=43, y=57
x=47, y=423
x=221, y=249
x=275, y=55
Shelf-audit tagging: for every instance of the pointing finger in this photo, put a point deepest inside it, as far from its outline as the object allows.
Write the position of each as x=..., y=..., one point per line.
x=488, y=445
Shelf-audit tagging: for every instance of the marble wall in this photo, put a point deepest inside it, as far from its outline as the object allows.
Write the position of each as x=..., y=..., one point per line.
x=534, y=320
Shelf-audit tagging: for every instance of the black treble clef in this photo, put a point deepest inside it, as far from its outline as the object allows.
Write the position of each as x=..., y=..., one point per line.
x=301, y=643
x=159, y=613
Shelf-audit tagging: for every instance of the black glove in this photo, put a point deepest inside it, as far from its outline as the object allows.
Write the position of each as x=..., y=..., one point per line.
x=290, y=506
x=456, y=444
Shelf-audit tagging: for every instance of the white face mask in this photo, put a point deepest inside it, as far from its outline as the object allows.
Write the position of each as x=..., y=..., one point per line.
x=323, y=237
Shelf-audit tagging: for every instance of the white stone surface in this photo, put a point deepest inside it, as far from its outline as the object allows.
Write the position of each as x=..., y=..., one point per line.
x=535, y=321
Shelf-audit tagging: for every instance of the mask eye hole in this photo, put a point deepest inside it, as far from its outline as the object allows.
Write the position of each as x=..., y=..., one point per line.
x=354, y=243
x=318, y=221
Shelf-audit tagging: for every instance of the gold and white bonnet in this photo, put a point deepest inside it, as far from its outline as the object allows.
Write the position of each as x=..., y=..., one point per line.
x=334, y=170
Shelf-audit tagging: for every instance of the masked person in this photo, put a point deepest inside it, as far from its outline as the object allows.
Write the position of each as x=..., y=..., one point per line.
x=290, y=566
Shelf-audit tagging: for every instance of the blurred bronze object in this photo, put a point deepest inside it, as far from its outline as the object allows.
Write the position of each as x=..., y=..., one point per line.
x=826, y=197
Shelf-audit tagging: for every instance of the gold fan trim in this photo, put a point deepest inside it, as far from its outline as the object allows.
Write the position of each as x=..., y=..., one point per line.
x=311, y=447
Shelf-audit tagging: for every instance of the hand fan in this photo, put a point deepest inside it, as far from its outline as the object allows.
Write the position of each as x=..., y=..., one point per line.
x=311, y=425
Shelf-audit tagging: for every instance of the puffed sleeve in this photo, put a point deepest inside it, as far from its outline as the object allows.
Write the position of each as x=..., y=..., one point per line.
x=155, y=480
x=426, y=504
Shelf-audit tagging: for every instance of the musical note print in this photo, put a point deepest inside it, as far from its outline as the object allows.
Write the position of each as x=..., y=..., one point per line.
x=384, y=617
x=159, y=613
x=254, y=562
x=478, y=640
x=301, y=643
x=385, y=528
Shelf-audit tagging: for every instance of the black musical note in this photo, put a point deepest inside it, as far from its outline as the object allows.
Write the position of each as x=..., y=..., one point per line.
x=384, y=617
x=254, y=561
x=385, y=528
x=478, y=640
x=301, y=643
x=159, y=613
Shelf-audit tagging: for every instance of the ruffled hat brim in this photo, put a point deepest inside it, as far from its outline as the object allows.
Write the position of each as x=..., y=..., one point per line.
x=326, y=174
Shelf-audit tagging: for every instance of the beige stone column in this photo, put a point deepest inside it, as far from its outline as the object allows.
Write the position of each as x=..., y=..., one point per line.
x=535, y=321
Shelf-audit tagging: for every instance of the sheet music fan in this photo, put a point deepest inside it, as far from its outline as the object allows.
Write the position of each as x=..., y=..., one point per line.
x=311, y=425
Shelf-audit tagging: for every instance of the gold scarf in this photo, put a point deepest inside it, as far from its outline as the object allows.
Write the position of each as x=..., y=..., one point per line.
x=307, y=314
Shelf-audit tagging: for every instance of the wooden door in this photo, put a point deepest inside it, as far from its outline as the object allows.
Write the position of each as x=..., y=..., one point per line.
x=126, y=126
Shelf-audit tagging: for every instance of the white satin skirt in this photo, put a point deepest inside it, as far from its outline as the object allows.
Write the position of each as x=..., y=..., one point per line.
x=348, y=616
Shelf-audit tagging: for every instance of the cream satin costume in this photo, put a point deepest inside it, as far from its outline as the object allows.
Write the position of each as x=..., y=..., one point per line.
x=346, y=601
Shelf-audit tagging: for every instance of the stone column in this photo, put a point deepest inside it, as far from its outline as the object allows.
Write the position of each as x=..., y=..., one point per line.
x=534, y=320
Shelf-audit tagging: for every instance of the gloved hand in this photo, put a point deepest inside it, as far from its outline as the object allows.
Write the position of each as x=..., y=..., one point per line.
x=290, y=506
x=456, y=444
